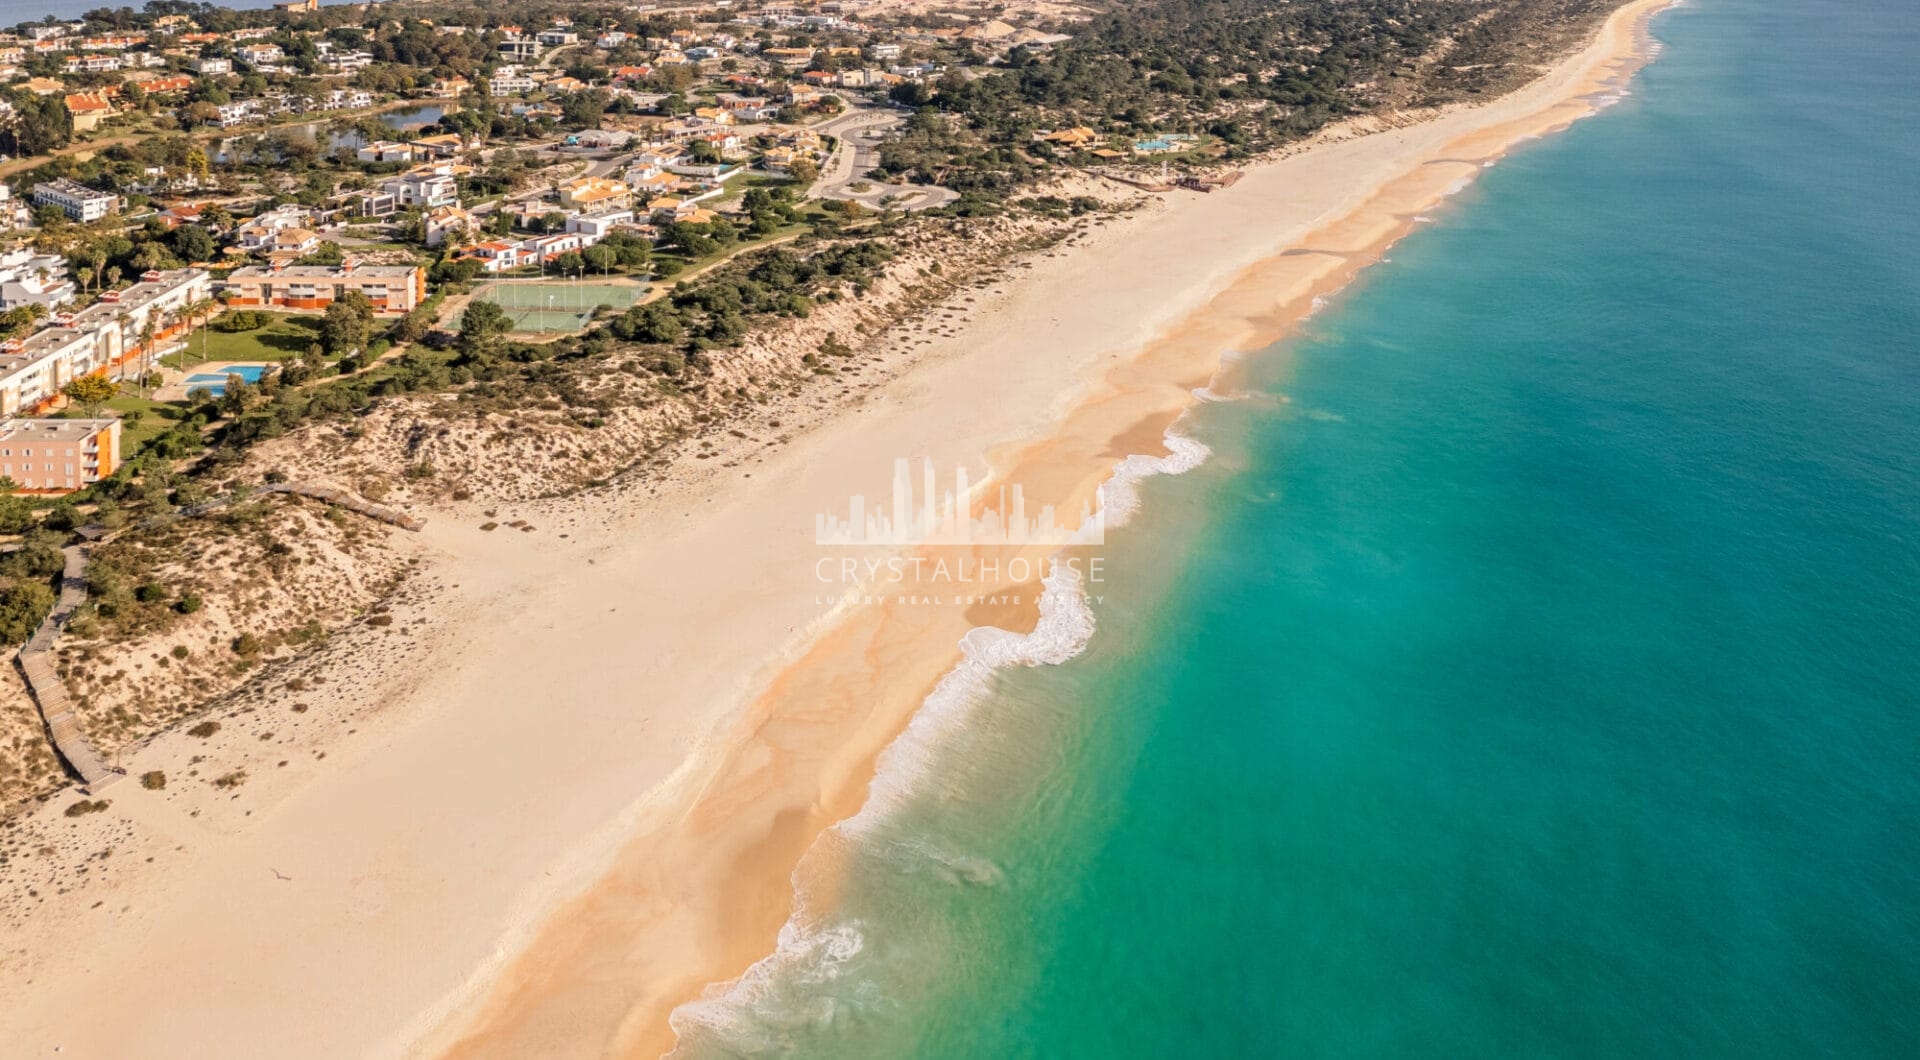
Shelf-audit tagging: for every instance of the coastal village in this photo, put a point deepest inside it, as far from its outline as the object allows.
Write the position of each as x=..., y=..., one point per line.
x=527, y=149
x=207, y=216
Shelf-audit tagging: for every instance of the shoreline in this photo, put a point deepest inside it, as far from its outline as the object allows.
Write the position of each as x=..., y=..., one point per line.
x=552, y=728
x=535, y=1004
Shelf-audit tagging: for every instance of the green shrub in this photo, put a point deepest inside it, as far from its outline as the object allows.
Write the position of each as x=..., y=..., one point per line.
x=242, y=320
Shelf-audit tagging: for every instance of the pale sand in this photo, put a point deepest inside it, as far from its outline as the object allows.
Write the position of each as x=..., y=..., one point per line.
x=652, y=740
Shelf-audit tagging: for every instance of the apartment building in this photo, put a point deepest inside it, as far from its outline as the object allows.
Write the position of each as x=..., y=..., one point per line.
x=102, y=338
x=312, y=288
x=77, y=201
x=58, y=456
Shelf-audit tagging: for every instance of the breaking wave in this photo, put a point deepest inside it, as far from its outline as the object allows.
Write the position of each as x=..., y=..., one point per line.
x=813, y=977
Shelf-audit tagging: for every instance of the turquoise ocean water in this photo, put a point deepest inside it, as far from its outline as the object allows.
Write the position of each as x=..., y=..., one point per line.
x=1533, y=670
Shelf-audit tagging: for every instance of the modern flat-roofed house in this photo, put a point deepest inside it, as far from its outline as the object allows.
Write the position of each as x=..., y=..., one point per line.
x=260, y=54
x=58, y=456
x=77, y=201
x=384, y=151
x=27, y=278
x=312, y=288
x=428, y=190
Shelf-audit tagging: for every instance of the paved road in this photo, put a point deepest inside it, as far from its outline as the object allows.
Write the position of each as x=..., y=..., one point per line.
x=858, y=134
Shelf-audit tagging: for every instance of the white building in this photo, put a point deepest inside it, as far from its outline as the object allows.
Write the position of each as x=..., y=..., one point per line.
x=429, y=189
x=27, y=278
x=77, y=201
x=509, y=81
x=259, y=54
x=104, y=336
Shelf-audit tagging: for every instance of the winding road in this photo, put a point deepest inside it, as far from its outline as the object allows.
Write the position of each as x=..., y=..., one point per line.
x=857, y=135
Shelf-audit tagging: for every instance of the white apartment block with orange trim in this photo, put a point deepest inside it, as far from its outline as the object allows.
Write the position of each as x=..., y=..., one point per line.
x=102, y=339
x=312, y=288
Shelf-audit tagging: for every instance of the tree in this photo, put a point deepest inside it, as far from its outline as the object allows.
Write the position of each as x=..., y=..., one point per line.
x=90, y=392
x=803, y=170
x=22, y=605
x=16, y=515
x=347, y=324
x=235, y=396
x=192, y=243
x=200, y=309
x=481, y=327
x=147, y=333
x=40, y=124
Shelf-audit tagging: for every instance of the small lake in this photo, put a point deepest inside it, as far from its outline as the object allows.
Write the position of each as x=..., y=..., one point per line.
x=407, y=120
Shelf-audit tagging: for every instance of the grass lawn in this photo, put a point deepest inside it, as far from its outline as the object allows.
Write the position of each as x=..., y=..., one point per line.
x=284, y=337
x=137, y=431
x=738, y=185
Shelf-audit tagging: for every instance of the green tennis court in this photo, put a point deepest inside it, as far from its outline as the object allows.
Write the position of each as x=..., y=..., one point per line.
x=556, y=305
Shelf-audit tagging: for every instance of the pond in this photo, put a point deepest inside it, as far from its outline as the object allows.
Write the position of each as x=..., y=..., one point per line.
x=406, y=121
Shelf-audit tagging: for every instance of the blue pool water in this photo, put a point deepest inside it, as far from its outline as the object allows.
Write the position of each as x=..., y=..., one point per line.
x=215, y=383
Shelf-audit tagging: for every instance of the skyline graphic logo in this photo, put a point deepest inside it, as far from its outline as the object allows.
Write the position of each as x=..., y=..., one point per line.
x=934, y=518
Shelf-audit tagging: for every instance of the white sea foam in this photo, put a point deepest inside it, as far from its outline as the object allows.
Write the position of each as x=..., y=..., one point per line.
x=810, y=974
x=759, y=1012
x=1119, y=495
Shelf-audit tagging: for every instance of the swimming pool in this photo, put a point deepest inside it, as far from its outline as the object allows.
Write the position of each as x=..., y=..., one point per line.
x=215, y=383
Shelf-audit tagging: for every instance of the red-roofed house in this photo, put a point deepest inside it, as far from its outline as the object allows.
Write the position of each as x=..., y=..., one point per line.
x=89, y=109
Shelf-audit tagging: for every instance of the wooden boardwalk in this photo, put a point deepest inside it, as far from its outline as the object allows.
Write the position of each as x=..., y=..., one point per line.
x=381, y=513
x=50, y=692
x=36, y=656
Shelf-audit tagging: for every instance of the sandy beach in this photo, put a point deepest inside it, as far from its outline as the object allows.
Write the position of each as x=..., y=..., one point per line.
x=588, y=793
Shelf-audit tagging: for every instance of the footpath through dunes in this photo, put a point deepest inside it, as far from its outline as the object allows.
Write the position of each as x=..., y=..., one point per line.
x=50, y=692
x=705, y=887
x=35, y=658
